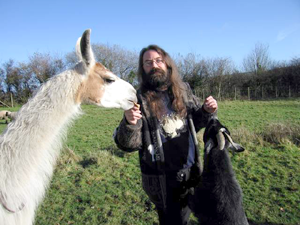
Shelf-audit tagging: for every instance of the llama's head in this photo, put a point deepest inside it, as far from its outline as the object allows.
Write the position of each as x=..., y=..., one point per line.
x=100, y=86
x=218, y=137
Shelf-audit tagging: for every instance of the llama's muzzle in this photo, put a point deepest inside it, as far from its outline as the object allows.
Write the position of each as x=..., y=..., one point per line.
x=135, y=104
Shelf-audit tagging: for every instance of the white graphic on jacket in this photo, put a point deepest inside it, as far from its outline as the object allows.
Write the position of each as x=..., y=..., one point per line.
x=151, y=151
x=172, y=125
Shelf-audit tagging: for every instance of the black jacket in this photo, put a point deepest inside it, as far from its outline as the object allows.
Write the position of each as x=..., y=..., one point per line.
x=145, y=137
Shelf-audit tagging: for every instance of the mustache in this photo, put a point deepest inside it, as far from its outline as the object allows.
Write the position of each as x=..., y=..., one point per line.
x=156, y=71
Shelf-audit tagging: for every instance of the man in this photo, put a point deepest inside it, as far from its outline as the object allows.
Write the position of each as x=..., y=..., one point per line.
x=163, y=129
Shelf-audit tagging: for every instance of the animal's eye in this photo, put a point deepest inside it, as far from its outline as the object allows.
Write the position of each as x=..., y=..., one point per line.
x=109, y=80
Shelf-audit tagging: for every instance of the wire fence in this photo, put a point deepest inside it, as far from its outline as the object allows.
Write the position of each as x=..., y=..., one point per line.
x=248, y=93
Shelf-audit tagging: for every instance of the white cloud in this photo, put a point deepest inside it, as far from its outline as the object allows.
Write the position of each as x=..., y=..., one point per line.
x=219, y=29
x=286, y=32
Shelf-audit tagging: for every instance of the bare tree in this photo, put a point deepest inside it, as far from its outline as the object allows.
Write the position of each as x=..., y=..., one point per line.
x=71, y=59
x=218, y=68
x=120, y=61
x=192, y=68
x=258, y=60
x=16, y=80
x=2, y=80
x=45, y=66
x=12, y=76
x=295, y=61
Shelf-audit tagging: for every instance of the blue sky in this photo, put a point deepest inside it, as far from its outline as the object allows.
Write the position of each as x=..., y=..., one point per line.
x=210, y=28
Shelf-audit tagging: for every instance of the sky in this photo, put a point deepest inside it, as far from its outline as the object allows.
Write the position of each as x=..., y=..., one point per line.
x=209, y=28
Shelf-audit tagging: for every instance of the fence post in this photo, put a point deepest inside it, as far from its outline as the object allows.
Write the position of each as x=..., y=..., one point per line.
x=12, y=100
x=248, y=93
x=235, y=93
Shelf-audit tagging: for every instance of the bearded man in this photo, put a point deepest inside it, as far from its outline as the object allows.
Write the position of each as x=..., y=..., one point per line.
x=162, y=127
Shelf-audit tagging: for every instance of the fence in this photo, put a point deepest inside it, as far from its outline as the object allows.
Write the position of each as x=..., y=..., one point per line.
x=248, y=93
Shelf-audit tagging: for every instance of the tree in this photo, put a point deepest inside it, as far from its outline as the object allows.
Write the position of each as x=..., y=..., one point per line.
x=12, y=77
x=218, y=68
x=295, y=61
x=258, y=60
x=193, y=69
x=16, y=82
x=120, y=61
x=44, y=66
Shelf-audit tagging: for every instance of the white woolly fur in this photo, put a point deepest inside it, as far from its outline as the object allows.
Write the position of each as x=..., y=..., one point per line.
x=31, y=143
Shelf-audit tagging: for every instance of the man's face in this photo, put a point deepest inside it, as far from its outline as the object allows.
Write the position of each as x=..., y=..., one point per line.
x=156, y=74
x=151, y=59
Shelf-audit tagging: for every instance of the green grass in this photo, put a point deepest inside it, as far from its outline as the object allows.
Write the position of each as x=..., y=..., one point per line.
x=96, y=183
x=255, y=116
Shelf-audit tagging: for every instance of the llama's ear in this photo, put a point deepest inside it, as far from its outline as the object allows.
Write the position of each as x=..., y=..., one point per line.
x=78, y=51
x=84, y=49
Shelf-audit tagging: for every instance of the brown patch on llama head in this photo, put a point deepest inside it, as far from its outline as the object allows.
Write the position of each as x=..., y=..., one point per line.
x=92, y=89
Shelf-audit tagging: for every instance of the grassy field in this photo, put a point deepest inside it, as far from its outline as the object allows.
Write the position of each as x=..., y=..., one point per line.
x=96, y=183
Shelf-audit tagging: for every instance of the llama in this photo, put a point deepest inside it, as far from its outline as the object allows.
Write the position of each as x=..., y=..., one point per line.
x=218, y=198
x=31, y=144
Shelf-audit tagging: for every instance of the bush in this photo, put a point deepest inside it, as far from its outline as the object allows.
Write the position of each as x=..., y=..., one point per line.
x=279, y=133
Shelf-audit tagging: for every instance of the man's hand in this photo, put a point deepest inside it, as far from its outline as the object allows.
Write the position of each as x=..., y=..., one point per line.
x=210, y=105
x=133, y=115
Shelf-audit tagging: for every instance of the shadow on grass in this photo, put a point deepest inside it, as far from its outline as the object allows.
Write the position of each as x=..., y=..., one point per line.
x=89, y=161
x=255, y=223
x=250, y=223
x=114, y=150
x=86, y=162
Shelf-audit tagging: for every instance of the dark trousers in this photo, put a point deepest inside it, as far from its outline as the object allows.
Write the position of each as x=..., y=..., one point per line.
x=177, y=211
x=170, y=194
x=175, y=214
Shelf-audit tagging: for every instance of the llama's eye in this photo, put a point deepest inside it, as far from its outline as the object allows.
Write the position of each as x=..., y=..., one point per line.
x=109, y=80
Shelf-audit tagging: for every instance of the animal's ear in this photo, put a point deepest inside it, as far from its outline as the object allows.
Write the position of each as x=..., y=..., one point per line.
x=78, y=51
x=237, y=147
x=84, y=49
x=232, y=145
x=221, y=140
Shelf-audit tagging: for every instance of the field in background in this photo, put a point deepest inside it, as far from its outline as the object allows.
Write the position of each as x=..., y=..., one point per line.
x=96, y=183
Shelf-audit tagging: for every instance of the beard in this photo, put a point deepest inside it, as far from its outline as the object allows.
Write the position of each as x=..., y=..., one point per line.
x=156, y=79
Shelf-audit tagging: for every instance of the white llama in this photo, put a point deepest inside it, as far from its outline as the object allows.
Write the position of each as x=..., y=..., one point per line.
x=31, y=144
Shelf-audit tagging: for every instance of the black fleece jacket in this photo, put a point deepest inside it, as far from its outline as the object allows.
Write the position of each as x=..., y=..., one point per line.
x=145, y=137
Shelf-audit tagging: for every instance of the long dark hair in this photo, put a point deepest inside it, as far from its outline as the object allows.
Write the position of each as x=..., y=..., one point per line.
x=175, y=89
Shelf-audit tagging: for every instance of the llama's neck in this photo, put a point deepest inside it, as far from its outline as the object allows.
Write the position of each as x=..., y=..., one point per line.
x=30, y=145
x=50, y=110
